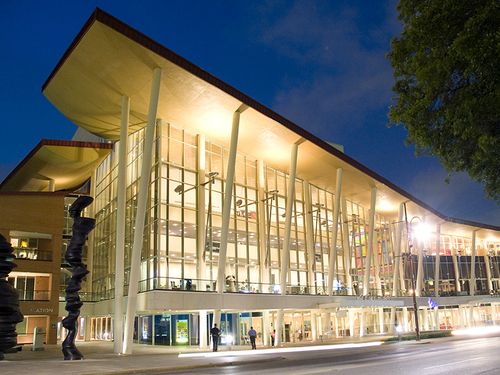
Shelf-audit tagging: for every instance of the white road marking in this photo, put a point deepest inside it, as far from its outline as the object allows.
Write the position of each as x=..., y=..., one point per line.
x=453, y=363
x=324, y=370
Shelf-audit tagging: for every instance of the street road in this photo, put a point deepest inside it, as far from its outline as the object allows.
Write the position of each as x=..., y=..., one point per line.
x=466, y=356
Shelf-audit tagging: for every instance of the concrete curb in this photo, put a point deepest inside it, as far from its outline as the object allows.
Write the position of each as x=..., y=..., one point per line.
x=154, y=370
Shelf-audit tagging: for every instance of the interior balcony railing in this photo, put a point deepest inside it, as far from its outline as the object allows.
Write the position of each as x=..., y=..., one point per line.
x=231, y=286
x=209, y=286
x=89, y=296
x=175, y=283
x=34, y=295
x=26, y=253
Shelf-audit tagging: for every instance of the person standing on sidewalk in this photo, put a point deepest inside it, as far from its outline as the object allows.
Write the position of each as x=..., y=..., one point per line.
x=273, y=336
x=253, y=335
x=215, y=332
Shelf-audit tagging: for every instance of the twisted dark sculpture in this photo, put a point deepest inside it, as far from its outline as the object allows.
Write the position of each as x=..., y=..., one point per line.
x=82, y=226
x=10, y=314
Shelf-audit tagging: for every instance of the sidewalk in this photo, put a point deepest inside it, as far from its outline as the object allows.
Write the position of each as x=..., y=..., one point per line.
x=100, y=359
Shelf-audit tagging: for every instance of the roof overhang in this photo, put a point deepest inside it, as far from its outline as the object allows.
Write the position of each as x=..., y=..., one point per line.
x=108, y=59
x=66, y=164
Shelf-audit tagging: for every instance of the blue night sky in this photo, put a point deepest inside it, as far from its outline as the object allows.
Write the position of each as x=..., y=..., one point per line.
x=321, y=64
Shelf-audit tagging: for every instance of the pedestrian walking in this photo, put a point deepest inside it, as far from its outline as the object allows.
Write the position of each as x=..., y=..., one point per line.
x=273, y=336
x=253, y=335
x=215, y=332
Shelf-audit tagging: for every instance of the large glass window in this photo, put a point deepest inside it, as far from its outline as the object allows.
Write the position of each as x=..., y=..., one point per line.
x=105, y=215
x=31, y=287
x=171, y=250
x=447, y=284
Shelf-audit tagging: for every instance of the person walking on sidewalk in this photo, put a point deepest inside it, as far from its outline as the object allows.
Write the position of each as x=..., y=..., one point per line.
x=215, y=332
x=253, y=335
x=273, y=337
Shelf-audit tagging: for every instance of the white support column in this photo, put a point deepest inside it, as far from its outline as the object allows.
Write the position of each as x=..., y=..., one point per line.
x=488, y=273
x=426, y=319
x=462, y=322
x=120, y=227
x=314, y=328
x=346, y=248
x=325, y=323
x=392, y=321
x=455, y=269
x=336, y=322
x=228, y=197
x=472, y=282
x=361, y=322
x=401, y=266
x=494, y=313
x=376, y=265
x=405, y=319
x=201, y=214
x=266, y=328
x=261, y=212
x=203, y=329
x=88, y=327
x=310, y=245
x=462, y=316
x=436, y=319
x=319, y=325
x=135, y=264
x=333, y=245
x=369, y=250
x=437, y=261
x=420, y=268
x=397, y=252
x=351, y=322
x=290, y=198
x=381, y=320
x=279, y=328
x=394, y=260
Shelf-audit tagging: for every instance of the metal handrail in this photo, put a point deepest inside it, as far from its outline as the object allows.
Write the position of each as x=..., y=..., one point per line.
x=34, y=295
x=28, y=253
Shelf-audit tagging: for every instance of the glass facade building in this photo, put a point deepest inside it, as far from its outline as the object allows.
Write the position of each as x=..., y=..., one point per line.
x=170, y=262
x=169, y=258
x=249, y=219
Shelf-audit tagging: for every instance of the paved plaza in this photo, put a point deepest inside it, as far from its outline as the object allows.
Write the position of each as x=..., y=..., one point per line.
x=100, y=359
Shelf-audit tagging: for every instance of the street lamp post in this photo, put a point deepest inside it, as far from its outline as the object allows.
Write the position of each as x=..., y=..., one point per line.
x=412, y=274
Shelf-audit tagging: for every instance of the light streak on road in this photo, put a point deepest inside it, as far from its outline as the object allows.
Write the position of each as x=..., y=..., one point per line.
x=454, y=363
x=476, y=331
x=237, y=353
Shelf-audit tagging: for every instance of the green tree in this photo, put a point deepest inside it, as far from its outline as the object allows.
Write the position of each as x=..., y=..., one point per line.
x=446, y=66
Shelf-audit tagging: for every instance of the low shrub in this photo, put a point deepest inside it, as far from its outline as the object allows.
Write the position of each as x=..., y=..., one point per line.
x=423, y=335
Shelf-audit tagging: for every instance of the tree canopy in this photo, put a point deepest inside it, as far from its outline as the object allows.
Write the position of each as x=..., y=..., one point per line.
x=446, y=65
